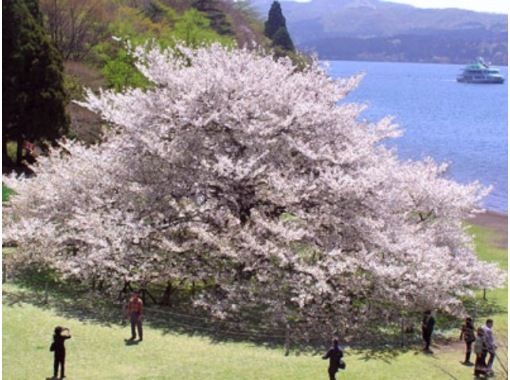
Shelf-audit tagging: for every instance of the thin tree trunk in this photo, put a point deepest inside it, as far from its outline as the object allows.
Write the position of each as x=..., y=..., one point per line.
x=193, y=289
x=154, y=300
x=165, y=299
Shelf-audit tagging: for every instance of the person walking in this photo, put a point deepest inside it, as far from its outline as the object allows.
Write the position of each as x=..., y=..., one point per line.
x=491, y=343
x=59, y=351
x=468, y=333
x=135, y=314
x=334, y=355
x=480, y=352
x=427, y=327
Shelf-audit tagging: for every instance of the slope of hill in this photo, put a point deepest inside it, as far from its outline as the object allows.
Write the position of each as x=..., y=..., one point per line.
x=90, y=37
x=368, y=29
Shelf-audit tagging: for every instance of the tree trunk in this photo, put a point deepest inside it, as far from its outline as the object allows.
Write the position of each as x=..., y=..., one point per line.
x=193, y=289
x=165, y=299
x=154, y=300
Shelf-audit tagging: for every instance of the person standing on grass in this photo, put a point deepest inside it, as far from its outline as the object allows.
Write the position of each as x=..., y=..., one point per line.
x=59, y=351
x=427, y=327
x=491, y=342
x=481, y=353
x=468, y=333
x=334, y=355
x=135, y=314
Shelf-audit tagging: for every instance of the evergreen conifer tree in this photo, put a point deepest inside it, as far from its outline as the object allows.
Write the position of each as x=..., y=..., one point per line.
x=276, y=28
x=34, y=97
x=282, y=39
x=275, y=20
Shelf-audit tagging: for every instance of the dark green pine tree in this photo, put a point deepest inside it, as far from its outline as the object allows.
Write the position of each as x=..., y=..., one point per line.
x=34, y=97
x=276, y=29
x=275, y=20
x=282, y=39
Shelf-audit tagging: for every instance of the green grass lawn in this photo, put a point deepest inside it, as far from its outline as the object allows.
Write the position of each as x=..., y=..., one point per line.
x=486, y=251
x=98, y=351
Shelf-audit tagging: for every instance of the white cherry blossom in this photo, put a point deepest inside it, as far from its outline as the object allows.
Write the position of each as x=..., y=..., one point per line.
x=240, y=172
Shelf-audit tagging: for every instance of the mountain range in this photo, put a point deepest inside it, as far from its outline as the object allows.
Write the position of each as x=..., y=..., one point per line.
x=385, y=31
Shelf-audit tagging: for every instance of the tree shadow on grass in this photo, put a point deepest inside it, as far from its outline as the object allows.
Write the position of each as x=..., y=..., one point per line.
x=381, y=353
x=77, y=302
x=69, y=300
x=89, y=307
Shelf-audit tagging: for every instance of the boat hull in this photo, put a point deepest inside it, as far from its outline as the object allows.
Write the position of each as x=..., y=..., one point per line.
x=482, y=81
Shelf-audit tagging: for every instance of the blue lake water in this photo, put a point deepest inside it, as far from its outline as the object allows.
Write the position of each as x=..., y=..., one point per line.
x=462, y=124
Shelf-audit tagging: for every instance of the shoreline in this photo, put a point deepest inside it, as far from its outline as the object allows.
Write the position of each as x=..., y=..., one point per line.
x=495, y=221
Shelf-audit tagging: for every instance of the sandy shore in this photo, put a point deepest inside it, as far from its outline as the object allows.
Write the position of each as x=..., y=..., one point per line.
x=496, y=222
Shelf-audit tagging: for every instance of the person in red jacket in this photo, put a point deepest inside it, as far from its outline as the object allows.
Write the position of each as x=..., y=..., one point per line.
x=135, y=314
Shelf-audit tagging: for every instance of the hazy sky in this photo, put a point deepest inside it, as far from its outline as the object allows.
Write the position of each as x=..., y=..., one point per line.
x=496, y=6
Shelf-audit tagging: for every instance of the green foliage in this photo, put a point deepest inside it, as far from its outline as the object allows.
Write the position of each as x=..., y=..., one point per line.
x=120, y=72
x=33, y=86
x=157, y=11
x=11, y=150
x=6, y=193
x=219, y=22
x=74, y=89
x=299, y=59
x=158, y=23
x=193, y=28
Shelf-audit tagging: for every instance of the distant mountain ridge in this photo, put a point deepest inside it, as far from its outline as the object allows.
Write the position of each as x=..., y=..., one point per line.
x=379, y=30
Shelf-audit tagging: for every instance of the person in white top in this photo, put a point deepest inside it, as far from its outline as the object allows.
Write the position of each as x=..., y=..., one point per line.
x=490, y=341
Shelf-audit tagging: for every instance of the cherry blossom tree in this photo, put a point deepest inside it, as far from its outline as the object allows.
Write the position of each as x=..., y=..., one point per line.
x=246, y=175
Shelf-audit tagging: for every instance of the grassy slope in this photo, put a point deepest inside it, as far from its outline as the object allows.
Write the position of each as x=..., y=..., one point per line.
x=97, y=351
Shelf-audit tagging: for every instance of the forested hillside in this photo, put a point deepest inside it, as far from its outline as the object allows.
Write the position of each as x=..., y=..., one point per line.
x=92, y=35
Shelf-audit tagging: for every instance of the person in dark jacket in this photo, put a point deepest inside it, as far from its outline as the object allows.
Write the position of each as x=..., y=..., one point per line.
x=468, y=333
x=427, y=327
x=59, y=350
x=334, y=355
